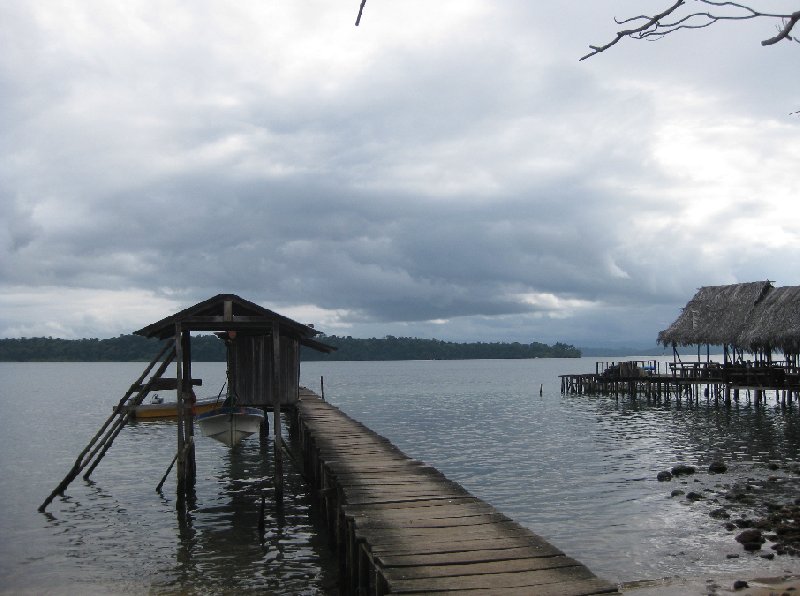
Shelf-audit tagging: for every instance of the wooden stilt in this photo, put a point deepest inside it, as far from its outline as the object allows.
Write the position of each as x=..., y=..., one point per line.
x=276, y=410
x=181, y=483
x=189, y=399
x=189, y=443
x=261, y=521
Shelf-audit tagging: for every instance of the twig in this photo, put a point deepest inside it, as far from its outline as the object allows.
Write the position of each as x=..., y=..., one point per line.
x=628, y=32
x=360, y=12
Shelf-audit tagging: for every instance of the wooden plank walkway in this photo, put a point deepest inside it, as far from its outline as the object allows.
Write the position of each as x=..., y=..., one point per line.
x=401, y=527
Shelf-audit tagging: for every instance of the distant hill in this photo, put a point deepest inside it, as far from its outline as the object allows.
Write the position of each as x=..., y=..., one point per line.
x=208, y=348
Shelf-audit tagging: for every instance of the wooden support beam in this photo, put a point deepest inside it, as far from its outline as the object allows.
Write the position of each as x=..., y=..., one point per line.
x=181, y=483
x=276, y=410
x=188, y=405
x=166, y=384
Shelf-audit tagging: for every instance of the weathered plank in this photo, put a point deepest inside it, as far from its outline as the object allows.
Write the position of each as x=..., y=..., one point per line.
x=585, y=587
x=464, y=554
x=478, y=568
x=412, y=546
x=539, y=577
x=463, y=522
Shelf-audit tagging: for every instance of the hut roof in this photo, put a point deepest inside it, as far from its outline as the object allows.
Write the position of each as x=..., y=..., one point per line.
x=716, y=315
x=229, y=312
x=775, y=322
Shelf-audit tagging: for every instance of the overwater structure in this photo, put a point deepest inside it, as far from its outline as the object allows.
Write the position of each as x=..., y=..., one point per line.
x=399, y=525
x=263, y=356
x=758, y=327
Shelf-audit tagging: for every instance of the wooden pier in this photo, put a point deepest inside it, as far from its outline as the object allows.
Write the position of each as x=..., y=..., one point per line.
x=402, y=527
x=692, y=381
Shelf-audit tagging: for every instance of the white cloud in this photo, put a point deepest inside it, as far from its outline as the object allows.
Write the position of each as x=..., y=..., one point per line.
x=445, y=169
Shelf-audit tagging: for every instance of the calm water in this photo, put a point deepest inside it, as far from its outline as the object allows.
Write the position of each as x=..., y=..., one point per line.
x=578, y=470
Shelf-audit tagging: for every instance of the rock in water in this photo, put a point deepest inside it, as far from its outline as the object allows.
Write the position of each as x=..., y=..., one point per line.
x=717, y=467
x=682, y=470
x=751, y=539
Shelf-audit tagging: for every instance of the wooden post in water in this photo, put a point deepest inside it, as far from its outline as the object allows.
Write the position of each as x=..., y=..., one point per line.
x=189, y=400
x=264, y=386
x=181, y=471
x=276, y=409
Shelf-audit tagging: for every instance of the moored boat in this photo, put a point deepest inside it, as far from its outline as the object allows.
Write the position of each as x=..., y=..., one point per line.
x=230, y=424
x=160, y=409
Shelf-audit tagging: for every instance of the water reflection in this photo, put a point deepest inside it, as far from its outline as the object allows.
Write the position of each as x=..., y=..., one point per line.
x=742, y=431
x=224, y=545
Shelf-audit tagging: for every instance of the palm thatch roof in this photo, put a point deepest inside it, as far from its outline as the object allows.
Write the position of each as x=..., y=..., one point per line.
x=716, y=315
x=775, y=322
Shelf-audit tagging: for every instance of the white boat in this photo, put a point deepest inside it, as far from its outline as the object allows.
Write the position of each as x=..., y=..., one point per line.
x=230, y=424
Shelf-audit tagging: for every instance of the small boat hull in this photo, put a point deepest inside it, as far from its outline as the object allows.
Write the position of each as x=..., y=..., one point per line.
x=170, y=409
x=230, y=424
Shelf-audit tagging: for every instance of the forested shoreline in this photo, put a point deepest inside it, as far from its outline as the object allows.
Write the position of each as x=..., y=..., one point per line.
x=208, y=348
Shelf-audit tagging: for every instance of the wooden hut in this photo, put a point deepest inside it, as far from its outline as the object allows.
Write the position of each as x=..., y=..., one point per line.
x=263, y=356
x=755, y=318
x=255, y=339
x=752, y=318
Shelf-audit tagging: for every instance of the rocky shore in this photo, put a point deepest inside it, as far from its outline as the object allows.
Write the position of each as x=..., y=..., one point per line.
x=757, y=504
x=760, y=510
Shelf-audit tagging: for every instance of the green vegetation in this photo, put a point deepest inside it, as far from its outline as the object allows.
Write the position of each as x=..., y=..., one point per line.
x=410, y=348
x=125, y=348
x=208, y=348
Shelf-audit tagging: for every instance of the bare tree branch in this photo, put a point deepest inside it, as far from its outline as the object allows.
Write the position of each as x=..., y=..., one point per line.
x=360, y=12
x=783, y=32
x=659, y=25
x=650, y=22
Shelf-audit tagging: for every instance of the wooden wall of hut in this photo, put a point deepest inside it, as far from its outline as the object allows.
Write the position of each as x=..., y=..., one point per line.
x=251, y=362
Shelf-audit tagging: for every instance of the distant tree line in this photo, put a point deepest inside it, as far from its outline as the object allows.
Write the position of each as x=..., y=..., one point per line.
x=411, y=348
x=209, y=348
x=125, y=348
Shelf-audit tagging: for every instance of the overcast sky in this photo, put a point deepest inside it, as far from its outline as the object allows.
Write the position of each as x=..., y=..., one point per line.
x=448, y=169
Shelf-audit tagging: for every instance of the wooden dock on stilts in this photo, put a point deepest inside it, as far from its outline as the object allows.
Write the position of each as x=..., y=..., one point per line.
x=718, y=382
x=401, y=526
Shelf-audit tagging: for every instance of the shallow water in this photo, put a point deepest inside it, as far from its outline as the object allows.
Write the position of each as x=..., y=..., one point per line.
x=116, y=534
x=578, y=470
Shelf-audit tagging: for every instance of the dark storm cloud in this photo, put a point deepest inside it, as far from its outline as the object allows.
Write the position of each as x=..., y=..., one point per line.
x=459, y=179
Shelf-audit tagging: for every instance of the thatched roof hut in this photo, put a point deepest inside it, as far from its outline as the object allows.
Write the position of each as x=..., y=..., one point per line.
x=716, y=315
x=775, y=322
